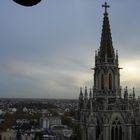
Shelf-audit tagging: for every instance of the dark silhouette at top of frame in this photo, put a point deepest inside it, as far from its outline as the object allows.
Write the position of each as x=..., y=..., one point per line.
x=27, y=2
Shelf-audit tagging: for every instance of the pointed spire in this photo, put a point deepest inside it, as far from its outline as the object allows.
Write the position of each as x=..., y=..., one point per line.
x=81, y=101
x=81, y=94
x=90, y=94
x=85, y=98
x=126, y=93
x=133, y=93
x=86, y=94
x=117, y=57
x=106, y=45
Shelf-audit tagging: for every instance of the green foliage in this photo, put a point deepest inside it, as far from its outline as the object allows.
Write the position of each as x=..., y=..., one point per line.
x=9, y=120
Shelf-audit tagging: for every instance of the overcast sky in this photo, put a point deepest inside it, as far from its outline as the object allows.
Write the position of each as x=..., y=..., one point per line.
x=46, y=51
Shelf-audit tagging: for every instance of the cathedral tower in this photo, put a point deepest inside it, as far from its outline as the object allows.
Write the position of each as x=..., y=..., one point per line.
x=105, y=114
x=106, y=71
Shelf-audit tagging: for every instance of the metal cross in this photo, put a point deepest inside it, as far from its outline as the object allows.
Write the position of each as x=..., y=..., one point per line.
x=106, y=6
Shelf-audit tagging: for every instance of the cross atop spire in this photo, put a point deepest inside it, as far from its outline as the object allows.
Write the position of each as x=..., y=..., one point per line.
x=105, y=6
x=106, y=51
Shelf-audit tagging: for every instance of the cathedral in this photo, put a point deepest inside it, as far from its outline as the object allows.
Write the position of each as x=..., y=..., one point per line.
x=106, y=112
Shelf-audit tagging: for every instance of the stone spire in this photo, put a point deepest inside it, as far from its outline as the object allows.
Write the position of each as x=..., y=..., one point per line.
x=133, y=93
x=90, y=94
x=90, y=100
x=86, y=94
x=126, y=93
x=106, y=51
x=81, y=99
x=81, y=94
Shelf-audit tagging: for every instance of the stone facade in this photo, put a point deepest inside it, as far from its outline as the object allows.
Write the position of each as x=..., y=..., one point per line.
x=107, y=112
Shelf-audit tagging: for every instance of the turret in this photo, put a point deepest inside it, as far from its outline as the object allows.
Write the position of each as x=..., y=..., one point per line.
x=86, y=94
x=126, y=93
x=81, y=99
x=116, y=57
x=90, y=101
x=85, y=98
x=81, y=94
x=133, y=93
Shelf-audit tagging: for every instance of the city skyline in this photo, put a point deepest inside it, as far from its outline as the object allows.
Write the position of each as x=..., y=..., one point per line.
x=47, y=50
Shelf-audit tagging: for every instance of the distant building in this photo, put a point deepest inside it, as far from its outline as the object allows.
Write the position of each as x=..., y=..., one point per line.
x=8, y=135
x=46, y=122
x=62, y=130
x=105, y=114
x=25, y=109
x=27, y=137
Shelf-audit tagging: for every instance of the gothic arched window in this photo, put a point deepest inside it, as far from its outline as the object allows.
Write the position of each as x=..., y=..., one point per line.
x=102, y=81
x=110, y=81
x=116, y=130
